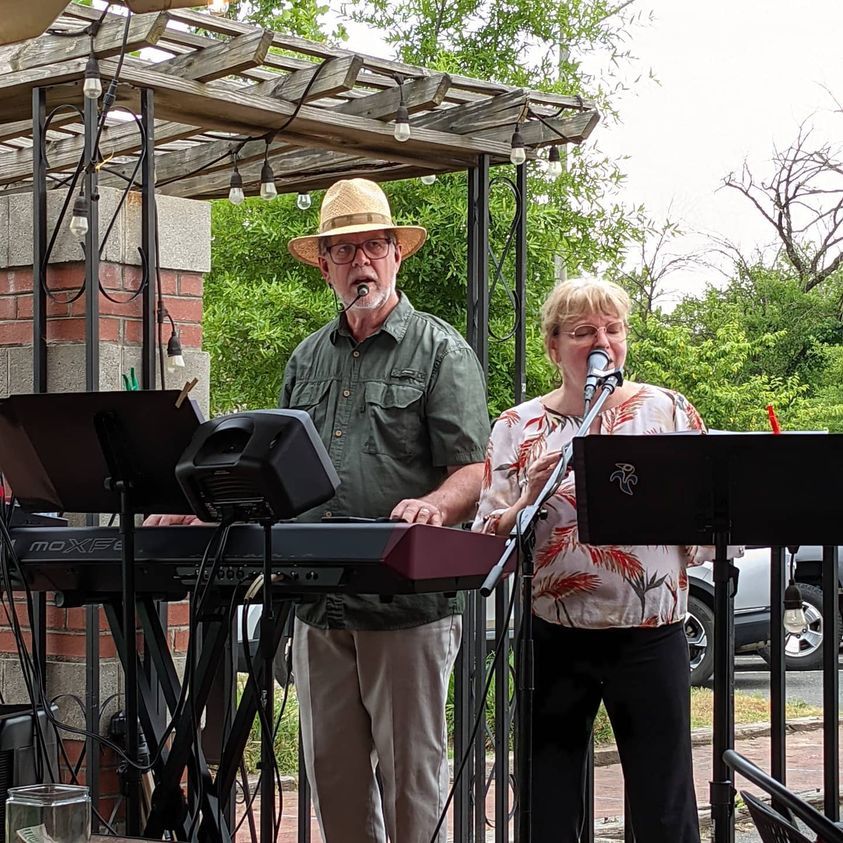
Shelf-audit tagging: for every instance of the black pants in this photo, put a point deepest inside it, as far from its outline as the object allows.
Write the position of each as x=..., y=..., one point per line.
x=642, y=676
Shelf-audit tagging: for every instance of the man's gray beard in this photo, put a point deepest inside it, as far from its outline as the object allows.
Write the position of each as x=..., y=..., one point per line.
x=372, y=301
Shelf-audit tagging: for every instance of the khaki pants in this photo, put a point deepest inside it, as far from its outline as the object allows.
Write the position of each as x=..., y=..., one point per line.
x=372, y=699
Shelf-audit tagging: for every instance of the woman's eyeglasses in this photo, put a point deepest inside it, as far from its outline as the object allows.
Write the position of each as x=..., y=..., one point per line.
x=582, y=333
x=375, y=249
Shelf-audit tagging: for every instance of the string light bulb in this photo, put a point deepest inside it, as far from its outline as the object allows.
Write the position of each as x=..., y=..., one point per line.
x=303, y=201
x=175, y=358
x=79, y=217
x=554, y=162
x=268, y=189
x=517, y=153
x=430, y=178
x=402, y=124
x=235, y=187
x=402, y=116
x=92, y=86
x=794, y=618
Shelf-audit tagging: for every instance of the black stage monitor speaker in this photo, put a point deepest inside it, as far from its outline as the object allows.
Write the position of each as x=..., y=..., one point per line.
x=256, y=466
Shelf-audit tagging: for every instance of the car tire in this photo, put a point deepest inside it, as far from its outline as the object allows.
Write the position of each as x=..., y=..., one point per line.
x=699, y=631
x=804, y=652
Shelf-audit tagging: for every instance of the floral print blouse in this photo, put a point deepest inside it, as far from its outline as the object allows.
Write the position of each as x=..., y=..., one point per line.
x=576, y=584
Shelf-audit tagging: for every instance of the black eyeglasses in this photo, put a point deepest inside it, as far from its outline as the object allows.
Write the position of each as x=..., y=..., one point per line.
x=375, y=249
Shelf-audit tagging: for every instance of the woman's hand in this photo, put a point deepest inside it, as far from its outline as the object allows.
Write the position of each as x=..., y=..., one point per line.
x=538, y=473
x=537, y=476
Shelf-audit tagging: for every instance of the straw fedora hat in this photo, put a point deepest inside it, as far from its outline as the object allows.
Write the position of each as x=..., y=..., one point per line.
x=353, y=205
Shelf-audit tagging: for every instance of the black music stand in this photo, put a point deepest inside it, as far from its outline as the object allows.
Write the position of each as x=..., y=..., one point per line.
x=757, y=489
x=102, y=452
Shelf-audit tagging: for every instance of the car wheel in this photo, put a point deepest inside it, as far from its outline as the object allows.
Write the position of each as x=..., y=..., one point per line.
x=699, y=630
x=804, y=651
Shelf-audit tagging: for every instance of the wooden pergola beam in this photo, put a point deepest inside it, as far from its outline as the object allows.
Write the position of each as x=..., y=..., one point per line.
x=420, y=94
x=225, y=59
x=314, y=111
x=554, y=131
x=337, y=75
x=225, y=26
x=144, y=31
x=124, y=139
x=503, y=111
x=290, y=65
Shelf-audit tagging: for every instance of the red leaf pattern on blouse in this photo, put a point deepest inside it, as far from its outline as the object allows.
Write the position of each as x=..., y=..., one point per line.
x=487, y=469
x=623, y=413
x=509, y=417
x=674, y=593
x=561, y=539
x=564, y=585
x=569, y=576
x=615, y=559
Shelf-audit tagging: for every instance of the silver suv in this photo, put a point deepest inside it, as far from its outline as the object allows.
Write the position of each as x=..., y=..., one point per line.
x=752, y=612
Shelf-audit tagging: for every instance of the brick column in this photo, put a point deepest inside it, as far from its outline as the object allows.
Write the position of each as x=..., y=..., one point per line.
x=184, y=237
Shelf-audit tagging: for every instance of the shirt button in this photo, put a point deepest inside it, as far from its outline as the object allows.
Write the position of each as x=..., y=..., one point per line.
x=338, y=433
x=346, y=393
x=355, y=353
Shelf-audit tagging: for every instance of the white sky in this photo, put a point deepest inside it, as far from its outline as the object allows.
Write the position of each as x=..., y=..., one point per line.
x=736, y=77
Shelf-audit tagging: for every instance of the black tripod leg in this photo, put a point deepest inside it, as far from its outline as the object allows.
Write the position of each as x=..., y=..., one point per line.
x=184, y=745
x=176, y=818
x=246, y=711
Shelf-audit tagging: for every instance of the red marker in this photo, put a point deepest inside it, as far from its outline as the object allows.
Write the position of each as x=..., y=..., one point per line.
x=774, y=422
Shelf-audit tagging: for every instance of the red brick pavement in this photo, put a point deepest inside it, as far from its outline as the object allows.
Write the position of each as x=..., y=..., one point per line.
x=804, y=773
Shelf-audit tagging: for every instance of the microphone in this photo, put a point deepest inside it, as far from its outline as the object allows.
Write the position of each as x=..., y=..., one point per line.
x=598, y=360
x=362, y=291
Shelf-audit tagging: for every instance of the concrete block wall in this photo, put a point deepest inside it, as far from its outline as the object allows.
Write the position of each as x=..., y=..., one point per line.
x=184, y=237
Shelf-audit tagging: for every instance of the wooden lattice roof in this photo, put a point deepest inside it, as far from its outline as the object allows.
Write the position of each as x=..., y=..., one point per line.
x=326, y=112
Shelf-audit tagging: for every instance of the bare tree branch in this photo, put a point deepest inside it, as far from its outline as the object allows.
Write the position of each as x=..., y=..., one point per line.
x=803, y=202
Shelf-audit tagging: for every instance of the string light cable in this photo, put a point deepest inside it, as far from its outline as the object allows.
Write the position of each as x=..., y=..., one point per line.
x=204, y=583
x=82, y=164
x=74, y=769
x=235, y=148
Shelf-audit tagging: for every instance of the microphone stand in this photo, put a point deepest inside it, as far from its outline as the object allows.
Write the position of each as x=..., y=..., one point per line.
x=523, y=539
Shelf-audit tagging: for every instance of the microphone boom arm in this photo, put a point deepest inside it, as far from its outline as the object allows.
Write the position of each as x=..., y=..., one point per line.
x=525, y=522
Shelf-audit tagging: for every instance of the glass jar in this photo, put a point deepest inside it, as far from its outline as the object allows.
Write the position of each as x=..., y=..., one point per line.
x=48, y=813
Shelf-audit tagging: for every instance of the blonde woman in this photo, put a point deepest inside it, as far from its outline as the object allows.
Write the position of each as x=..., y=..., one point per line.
x=608, y=621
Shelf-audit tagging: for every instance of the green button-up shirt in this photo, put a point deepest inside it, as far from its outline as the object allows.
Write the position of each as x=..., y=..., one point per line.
x=394, y=411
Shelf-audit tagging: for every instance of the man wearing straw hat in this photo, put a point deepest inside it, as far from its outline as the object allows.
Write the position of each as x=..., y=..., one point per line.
x=399, y=401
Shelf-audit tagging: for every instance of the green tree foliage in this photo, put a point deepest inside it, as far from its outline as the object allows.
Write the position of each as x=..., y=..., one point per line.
x=297, y=17
x=759, y=339
x=770, y=301
x=711, y=371
x=520, y=42
x=260, y=303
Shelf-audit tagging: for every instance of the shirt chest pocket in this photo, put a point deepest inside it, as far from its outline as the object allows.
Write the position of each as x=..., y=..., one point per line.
x=395, y=420
x=312, y=397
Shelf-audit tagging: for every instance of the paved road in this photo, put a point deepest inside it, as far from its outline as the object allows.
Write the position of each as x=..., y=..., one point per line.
x=753, y=676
